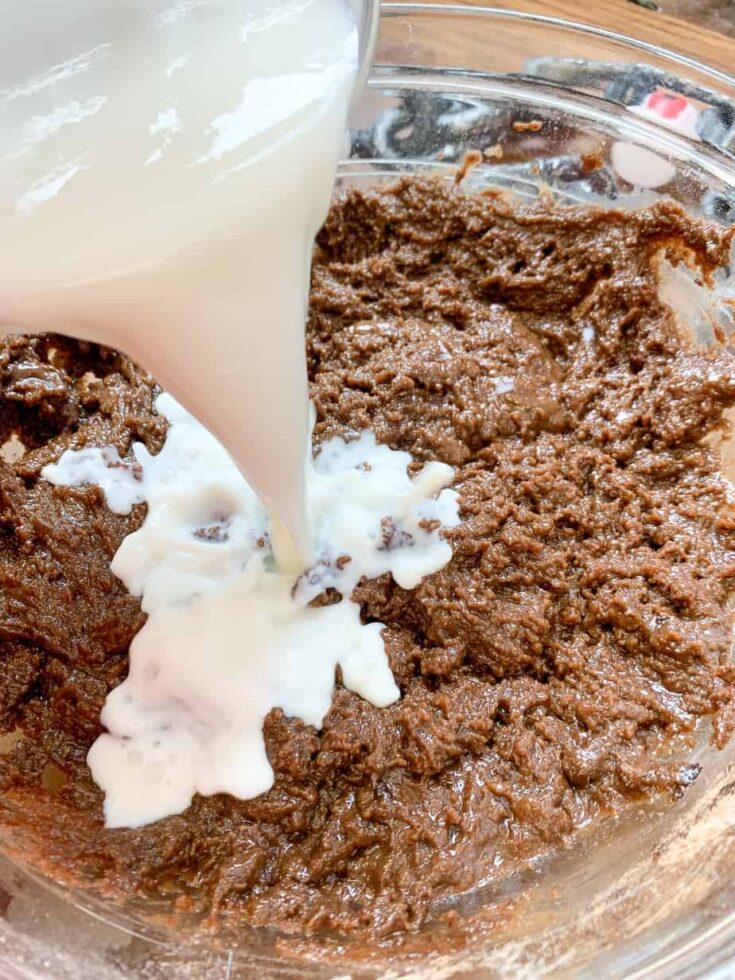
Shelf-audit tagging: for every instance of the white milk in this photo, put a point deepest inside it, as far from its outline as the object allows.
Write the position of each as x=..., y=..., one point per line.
x=164, y=167
x=162, y=178
x=228, y=636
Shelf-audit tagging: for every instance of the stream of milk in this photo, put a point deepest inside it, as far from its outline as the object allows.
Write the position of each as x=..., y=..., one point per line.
x=164, y=168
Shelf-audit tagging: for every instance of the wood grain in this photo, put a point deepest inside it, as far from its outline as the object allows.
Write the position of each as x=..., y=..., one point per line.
x=678, y=35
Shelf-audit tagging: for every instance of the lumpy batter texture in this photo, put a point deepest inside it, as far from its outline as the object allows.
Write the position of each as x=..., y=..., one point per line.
x=580, y=633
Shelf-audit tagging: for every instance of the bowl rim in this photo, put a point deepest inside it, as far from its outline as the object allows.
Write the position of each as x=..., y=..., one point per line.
x=393, y=9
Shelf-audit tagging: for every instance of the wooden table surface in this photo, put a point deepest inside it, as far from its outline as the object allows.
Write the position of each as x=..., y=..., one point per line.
x=687, y=36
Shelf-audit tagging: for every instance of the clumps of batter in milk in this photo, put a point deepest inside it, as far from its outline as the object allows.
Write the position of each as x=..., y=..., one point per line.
x=229, y=637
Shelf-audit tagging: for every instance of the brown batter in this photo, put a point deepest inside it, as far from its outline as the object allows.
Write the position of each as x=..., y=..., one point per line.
x=578, y=636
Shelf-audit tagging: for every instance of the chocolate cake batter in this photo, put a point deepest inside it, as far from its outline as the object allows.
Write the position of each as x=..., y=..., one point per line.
x=580, y=633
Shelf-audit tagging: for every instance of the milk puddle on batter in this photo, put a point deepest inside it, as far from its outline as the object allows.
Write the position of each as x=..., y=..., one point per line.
x=229, y=636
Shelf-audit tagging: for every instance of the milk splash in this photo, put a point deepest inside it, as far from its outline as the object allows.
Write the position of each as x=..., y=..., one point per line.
x=228, y=637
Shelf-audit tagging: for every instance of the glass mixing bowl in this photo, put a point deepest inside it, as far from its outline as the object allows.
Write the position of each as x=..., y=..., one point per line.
x=653, y=896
